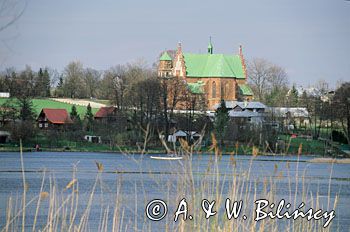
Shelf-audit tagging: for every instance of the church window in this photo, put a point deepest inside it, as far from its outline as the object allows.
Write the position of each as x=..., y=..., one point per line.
x=213, y=90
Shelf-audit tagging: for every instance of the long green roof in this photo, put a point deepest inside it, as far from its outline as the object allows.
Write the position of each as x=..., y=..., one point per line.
x=165, y=57
x=245, y=90
x=213, y=65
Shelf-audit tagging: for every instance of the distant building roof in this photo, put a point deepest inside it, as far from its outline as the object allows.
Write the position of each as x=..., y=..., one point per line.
x=243, y=105
x=251, y=105
x=294, y=111
x=165, y=57
x=244, y=114
x=104, y=112
x=56, y=116
x=213, y=65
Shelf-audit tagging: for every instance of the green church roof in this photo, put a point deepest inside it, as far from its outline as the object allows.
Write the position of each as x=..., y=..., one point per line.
x=213, y=65
x=196, y=88
x=245, y=90
x=165, y=57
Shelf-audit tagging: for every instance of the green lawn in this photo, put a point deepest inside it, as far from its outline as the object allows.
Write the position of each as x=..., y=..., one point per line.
x=308, y=146
x=48, y=103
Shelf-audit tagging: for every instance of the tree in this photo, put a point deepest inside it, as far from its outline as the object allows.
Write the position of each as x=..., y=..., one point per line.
x=341, y=107
x=292, y=97
x=59, y=91
x=46, y=83
x=91, y=79
x=221, y=121
x=26, y=111
x=265, y=79
x=74, y=114
x=24, y=129
x=42, y=83
x=116, y=81
x=8, y=112
x=73, y=80
x=89, y=118
x=172, y=91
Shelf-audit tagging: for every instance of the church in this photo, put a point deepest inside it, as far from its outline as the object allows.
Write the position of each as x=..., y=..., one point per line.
x=217, y=76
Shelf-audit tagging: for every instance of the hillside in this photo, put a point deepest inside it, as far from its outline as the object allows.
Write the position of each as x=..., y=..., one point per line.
x=48, y=103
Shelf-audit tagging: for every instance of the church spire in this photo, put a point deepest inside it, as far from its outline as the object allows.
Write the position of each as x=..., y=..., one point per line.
x=210, y=47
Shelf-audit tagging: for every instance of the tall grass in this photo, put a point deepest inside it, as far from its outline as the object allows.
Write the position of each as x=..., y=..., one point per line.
x=65, y=211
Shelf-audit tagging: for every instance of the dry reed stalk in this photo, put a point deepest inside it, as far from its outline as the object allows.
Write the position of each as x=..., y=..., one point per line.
x=24, y=187
x=41, y=196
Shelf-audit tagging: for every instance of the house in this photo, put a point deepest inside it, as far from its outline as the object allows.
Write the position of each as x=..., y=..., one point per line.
x=112, y=117
x=105, y=112
x=298, y=116
x=217, y=76
x=108, y=113
x=253, y=106
x=53, y=118
x=247, y=116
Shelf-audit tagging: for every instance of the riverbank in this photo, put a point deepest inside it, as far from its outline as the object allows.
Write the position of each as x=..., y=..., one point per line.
x=89, y=148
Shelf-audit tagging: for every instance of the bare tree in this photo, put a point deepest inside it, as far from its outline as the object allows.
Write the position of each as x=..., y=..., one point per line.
x=266, y=79
x=341, y=106
x=73, y=80
x=91, y=79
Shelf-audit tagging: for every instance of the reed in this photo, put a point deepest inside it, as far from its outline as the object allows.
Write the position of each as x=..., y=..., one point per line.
x=65, y=210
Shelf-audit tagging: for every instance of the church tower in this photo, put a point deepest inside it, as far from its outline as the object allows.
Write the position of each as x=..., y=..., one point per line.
x=165, y=65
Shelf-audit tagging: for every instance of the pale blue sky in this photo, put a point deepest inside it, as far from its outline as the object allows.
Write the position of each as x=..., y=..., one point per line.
x=310, y=39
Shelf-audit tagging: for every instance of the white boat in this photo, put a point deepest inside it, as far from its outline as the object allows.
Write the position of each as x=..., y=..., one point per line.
x=166, y=157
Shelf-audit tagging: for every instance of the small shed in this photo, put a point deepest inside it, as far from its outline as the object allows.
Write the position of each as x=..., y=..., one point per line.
x=180, y=134
x=4, y=136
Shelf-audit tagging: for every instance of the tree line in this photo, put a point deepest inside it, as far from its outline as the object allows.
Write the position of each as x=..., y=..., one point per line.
x=147, y=99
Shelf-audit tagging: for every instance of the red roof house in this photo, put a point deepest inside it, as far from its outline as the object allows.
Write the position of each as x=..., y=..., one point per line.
x=53, y=118
x=105, y=112
x=111, y=114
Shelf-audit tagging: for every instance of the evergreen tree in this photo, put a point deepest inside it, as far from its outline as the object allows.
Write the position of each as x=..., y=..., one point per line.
x=293, y=97
x=74, y=114
x=42, y=83
x=26, y=112
x=221, y=121
x=46, y=83
x=39, y=83
x=89, y=118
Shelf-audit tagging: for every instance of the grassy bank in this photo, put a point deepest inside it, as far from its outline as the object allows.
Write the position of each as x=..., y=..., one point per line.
x=39, y=104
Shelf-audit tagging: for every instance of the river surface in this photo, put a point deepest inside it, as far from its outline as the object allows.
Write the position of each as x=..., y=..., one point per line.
x=139, y=179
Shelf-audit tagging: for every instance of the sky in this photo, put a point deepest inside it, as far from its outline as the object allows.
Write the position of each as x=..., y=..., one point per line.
x=310, y=39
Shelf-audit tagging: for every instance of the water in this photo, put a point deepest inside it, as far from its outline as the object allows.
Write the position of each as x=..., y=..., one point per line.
x=143, y=179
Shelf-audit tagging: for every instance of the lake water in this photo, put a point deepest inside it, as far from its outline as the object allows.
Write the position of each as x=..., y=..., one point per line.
x=143, y=179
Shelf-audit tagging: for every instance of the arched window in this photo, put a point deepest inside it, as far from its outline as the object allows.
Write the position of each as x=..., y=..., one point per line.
x=227, y=90
x=213, y=90
x=222, y=89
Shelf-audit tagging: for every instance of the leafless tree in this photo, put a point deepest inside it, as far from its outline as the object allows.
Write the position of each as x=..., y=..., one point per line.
x=91, y=79
x=73, y=80
x=266, y=78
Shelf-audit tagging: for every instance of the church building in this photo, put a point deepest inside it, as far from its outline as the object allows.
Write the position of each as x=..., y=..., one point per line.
x=217, y=76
